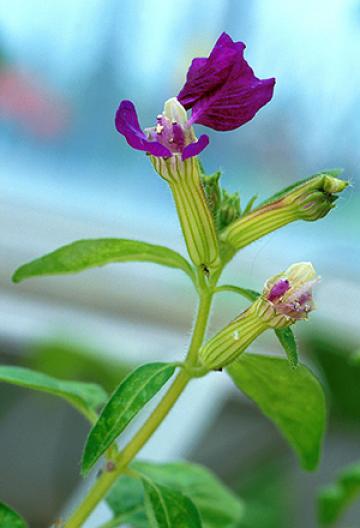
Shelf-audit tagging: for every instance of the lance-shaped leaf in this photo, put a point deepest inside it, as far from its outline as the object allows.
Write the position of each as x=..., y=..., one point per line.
x=124, y=404
x=292, y=398
x=9, y=518
x=167, y=508
x=335, y=498
x=217, y=505
x=85, y=397
x=288, y=342
x=84, y=254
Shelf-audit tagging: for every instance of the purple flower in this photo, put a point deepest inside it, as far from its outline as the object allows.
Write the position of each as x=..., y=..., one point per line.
x=291, y=295
x=222, y=90
x=171, y=135
x=223, y=93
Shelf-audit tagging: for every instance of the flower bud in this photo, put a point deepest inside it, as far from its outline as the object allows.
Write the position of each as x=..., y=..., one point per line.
x=286, y=298
x=308, y=200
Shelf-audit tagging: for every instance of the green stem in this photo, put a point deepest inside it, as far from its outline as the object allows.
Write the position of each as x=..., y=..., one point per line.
x=123, y=459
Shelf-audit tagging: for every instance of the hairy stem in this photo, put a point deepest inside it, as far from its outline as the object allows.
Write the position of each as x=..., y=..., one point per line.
x=123, y=459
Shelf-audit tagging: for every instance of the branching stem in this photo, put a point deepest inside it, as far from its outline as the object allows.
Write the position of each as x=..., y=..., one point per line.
x=122, y=459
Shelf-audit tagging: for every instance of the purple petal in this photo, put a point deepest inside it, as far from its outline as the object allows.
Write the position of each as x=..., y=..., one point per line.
x=205, y=75
x=278, y=290
x=195, y=148
x=127, y=123
x=236, y=102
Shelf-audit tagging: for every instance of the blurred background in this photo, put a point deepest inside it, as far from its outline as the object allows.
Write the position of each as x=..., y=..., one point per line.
x=66, y=174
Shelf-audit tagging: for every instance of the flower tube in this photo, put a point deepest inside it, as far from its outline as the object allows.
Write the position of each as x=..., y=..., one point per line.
x=286, y=298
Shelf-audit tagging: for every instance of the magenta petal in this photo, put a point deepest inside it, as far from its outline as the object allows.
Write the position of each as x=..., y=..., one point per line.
x=195, y=148
x=234, y=105
x=127, y=123
x=205, y=75
x=278, y=290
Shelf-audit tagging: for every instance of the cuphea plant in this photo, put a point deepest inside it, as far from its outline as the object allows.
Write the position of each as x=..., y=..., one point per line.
x=223, y=93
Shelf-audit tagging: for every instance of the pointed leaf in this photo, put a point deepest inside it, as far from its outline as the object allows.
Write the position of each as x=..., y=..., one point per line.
x=292, y=398
x=9, y=518
x=84, y=254
x=124, y=404
x=288, y=342
x=85, y=397
x=167, y=508
x=335, y=498
x=217, y=504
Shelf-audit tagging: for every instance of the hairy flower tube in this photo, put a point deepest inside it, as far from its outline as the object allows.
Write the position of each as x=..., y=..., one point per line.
x=310, y=200
x=286, y=298
x=223, y=93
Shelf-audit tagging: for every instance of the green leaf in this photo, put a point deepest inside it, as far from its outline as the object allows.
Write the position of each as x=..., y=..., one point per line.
x=288, y=342
x=84, y=254
x=9, y=518
x=126, y=501
x=85, y=397
x=167, y=508
x=250, y=295
x=292, y=398
x=124, y=404
x=217, y=505
x=335, y=498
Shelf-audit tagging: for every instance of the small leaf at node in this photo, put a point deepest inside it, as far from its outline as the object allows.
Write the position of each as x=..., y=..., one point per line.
x=288, y=342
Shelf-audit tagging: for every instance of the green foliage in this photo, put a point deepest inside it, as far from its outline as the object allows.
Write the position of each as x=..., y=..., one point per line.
x=288, y=342
x=264, y=488
x=84, y=254
x=66, y=359
x=292, y=398
x=9, y=518
x=335, y=498
x=85, y=397
x=217, y=505
x=167, y=508
x=124, y=404
x=342, y=374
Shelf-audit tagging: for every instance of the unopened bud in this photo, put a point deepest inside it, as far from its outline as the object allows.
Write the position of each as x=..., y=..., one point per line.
x=308, y=200
x=286, y=298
